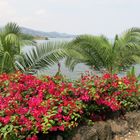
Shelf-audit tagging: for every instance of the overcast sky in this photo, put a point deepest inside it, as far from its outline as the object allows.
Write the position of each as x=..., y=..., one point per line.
x=106, y=17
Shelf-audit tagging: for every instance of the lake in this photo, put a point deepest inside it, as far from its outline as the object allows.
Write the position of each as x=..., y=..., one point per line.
x=80, y=68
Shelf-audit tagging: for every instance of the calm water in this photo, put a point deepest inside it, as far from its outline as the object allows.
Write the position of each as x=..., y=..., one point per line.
x=80, y=68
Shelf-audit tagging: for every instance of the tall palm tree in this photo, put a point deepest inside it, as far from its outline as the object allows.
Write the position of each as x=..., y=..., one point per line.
x=100, y=53
x=11, y=41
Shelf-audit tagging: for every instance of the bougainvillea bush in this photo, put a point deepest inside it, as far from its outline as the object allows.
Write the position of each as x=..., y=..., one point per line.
x=29, y=105
x=107, y=94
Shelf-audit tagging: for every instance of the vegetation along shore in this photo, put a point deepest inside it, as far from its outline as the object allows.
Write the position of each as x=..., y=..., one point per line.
x=37, y=106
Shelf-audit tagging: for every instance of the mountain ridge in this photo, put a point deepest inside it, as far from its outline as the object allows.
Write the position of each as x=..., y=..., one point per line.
x=45, y=34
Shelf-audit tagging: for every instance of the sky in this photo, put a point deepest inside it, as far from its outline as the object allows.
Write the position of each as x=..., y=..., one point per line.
x=108, y=17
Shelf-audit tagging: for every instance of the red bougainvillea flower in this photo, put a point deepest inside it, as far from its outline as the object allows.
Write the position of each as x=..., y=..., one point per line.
x=34, y=137
x=33, y=105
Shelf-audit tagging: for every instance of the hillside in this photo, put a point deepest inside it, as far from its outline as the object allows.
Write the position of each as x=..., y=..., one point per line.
x=45, y=34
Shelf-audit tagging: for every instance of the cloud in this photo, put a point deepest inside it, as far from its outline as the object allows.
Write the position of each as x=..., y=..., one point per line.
x=7, y=12
x=66, y=2
x=73, y=16
x=40, y=12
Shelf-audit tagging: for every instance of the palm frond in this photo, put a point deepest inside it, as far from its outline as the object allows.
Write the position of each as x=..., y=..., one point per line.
x=99, y=52
x=91, y=49
x=41, y=57
x=11, y=42
x=6, y=63
x=132, y=36
x=12, y=28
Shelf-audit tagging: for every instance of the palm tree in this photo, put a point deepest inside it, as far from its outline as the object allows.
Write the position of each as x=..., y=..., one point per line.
x=11, y=41
x=102, y=54
x=41, y=57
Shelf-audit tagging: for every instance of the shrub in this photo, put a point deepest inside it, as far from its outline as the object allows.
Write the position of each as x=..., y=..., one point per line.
x=107, y=93
x=29, y=105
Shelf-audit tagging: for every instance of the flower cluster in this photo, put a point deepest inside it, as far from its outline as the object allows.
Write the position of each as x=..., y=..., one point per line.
x=107, y=93
x=29, y=105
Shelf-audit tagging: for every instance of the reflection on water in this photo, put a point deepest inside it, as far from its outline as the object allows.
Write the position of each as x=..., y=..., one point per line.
x=80, y=68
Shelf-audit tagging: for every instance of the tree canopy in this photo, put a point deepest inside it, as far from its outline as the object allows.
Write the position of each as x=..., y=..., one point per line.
x=100, y=53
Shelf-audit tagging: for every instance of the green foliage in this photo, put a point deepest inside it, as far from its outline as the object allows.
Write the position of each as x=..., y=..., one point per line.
x=11, y=40
x=27, y=37
x=131, y=72
x=101, y=54
x=30, y=106
x=41, y=57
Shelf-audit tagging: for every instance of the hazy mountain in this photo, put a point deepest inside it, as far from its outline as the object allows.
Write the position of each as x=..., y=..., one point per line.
x=45, y=34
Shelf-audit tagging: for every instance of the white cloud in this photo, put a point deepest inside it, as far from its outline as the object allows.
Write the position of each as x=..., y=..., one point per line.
x=7, y=12
x=40, y=12
x=72, y=16
x=66, y=2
